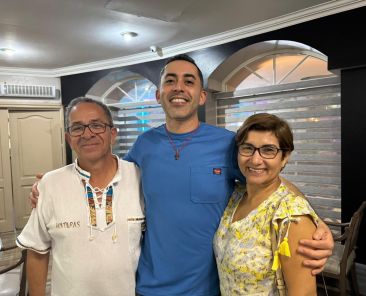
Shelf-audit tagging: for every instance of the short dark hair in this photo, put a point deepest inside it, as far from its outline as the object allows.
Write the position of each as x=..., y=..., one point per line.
x=80, y=100
x=267, y=122
x=182, y=57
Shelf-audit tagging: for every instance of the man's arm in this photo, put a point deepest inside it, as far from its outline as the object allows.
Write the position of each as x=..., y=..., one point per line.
x=37, y=267
x=320, y=247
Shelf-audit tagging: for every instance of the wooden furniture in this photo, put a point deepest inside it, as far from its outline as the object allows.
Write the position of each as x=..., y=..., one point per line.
x=341, y=264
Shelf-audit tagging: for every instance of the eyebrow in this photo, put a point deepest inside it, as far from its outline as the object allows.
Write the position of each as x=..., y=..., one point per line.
x=186, y=75
x=265, y=145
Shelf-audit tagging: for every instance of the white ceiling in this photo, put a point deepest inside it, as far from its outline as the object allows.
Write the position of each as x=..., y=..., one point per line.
x=61, y=37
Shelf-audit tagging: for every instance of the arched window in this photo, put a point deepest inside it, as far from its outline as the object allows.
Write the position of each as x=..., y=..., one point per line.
x=279, y=62
x=131, y=97
x=134, y=89
x=289, y=80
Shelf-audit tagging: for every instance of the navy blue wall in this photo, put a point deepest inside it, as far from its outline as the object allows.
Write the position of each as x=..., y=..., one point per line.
x=353, y=112
x=342, y=38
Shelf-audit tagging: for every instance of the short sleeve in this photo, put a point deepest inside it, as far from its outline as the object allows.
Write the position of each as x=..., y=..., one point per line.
x=237, y=175
x=35, y=235
x=131, y=154
x=292, y=206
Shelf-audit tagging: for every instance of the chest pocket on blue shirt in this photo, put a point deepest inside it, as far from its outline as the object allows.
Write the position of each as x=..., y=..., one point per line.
x=210, y=184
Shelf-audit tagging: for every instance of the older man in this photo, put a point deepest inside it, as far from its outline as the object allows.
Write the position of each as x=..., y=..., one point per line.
x=89, y=215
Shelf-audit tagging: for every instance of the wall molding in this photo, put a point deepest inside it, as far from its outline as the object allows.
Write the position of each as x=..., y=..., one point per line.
x=304, y=15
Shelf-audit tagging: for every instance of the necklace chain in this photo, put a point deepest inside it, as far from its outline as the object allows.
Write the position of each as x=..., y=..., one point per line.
x=186, y=141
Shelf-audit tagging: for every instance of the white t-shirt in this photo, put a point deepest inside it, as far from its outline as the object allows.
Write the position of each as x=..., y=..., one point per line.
x=95, y=250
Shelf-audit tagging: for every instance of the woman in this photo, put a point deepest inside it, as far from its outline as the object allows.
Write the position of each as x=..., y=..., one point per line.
x=242, y=242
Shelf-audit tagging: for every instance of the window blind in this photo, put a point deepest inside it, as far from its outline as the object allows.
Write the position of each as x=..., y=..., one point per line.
x=313, y=110
x=131, y=120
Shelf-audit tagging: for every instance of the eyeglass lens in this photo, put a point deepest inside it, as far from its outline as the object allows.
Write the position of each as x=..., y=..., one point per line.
x=267, y=151
x=79, y=129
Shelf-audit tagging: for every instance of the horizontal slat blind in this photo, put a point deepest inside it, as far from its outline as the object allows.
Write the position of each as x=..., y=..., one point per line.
x=132, y=119
x=314, y=114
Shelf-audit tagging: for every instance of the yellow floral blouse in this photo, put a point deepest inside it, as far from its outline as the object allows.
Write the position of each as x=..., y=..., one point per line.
x=243, y=248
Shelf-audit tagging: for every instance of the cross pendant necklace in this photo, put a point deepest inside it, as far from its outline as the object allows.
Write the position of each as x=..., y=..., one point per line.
x=176, y=156
x=176, y=149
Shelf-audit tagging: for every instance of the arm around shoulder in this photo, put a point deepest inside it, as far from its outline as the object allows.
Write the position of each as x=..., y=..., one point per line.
x=318, y=248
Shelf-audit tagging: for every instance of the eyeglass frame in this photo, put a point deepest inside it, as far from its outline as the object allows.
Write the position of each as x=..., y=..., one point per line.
x=259, y=150
x=88, y=126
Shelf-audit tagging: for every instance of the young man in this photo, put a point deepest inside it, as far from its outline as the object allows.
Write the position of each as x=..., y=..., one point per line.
x=89, y=214
x=188, y=171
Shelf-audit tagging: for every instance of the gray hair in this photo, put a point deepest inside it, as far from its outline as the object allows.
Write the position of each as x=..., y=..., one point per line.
x=80, y=100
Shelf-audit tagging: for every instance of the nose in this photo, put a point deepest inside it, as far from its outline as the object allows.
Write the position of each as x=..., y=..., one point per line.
x=87, y=133
x=178, y=86
x=256, y=157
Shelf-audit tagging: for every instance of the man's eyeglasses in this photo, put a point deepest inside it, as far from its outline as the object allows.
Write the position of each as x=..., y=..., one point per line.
x=95, y=127
x=266, y=151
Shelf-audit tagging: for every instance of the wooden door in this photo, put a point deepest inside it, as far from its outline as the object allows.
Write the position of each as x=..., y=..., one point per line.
x=37, y=146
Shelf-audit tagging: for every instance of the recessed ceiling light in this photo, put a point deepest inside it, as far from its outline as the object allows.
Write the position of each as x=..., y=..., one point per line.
x=128, y=35
x=7, y=51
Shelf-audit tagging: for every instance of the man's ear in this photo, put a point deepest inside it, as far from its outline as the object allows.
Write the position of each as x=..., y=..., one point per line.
x=114, y=133
x=203, y=97
x=157, y=95
x=67, y=138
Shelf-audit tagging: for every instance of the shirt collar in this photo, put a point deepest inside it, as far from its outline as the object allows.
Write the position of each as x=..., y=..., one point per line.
x=85, y=175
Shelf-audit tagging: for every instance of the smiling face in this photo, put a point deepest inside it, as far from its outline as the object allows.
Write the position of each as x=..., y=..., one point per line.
x=90, y=147
x=180, y=92
x=258, y=171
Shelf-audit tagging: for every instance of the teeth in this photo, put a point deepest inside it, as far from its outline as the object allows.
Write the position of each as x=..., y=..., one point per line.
x=178, y=100
x=256, y=170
